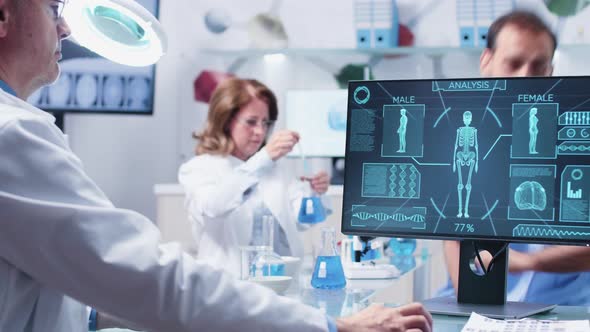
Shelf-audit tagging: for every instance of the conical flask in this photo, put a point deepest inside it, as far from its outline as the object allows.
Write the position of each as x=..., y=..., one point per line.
x=312, y=210
x=328, y=272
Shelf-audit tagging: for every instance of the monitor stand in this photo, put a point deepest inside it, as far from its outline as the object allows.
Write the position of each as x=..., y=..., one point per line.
x=484, y=294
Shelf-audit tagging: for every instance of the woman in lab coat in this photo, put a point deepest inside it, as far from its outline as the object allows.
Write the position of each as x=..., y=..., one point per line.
x=235, y=175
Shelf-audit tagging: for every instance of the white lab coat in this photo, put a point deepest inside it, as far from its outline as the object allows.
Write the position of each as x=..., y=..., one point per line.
x=222, y=193
x=62, y=243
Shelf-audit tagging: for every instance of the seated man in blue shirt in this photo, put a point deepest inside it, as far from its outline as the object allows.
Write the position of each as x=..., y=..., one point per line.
x=520, y=44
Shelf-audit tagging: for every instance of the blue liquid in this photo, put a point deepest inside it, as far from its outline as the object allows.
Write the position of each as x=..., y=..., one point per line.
x=318, y=215
x=371, y=254
x=334, y=277
x=402, y=247
x=403, y=263
x=269, y=270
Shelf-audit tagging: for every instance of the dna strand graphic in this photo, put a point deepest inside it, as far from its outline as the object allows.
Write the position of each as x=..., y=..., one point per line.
x=574, y=148
x=381, y=216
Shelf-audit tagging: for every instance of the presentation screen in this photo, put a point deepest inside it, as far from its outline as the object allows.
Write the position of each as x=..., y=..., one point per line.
x=504, y=159
x=320, y=118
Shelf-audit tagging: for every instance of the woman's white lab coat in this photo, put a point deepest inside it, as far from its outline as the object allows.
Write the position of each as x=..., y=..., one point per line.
x=62, y=243
x=222, y=193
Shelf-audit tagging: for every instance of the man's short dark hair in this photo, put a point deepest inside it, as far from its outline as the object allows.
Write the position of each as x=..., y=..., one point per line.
x=521, y=19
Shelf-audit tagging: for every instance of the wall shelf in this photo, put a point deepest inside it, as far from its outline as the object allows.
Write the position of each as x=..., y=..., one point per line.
x=249, y=52
x=319, y=55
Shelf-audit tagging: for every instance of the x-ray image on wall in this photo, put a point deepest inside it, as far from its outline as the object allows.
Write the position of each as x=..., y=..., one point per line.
x=93, y=84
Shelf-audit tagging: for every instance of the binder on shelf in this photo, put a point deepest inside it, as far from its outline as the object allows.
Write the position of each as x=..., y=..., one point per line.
x=376, y=23
x=474, y=18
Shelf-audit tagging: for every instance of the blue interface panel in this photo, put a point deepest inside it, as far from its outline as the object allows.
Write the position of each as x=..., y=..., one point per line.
x=505, y=159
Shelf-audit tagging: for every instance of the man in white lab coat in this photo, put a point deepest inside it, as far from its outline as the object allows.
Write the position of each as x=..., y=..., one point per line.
x=63, y=244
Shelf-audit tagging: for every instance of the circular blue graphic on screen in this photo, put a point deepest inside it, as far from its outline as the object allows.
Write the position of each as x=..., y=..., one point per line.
x=577, y=174
x=358, y=95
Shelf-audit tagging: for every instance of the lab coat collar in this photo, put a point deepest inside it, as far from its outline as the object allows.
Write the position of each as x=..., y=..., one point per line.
x=235, y=160
x=9, y=99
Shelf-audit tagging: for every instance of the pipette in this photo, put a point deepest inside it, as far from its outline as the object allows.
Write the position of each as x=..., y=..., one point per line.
x=306, y=168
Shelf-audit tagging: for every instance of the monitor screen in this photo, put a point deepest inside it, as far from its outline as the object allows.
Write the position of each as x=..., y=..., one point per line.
x=91, y=84
x=319, y=116
x=502, y=159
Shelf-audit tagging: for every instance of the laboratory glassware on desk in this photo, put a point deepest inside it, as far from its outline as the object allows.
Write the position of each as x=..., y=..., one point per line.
x=328, y=272
x=312, y=210
x=266, y=262
x=357, y=266
x=402, y=246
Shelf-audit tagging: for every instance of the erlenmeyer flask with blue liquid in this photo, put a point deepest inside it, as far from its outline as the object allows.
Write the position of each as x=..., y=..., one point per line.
x=328, y=272
x=311, y=210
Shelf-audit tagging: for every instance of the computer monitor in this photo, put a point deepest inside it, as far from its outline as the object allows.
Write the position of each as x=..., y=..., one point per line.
x=485, y=161
x=92, y=84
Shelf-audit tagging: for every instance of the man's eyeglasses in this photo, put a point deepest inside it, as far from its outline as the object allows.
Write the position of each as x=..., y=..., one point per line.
x=57, y=8
x=253, y=123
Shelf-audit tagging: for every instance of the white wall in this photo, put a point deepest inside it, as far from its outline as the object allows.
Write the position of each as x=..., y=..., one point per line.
x=127, y=155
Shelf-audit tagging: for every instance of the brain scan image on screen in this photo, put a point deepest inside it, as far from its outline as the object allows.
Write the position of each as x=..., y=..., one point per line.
x=501, y=159
x=530, y=195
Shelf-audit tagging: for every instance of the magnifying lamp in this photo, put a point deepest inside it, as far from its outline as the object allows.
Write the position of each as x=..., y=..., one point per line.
x=120, y=30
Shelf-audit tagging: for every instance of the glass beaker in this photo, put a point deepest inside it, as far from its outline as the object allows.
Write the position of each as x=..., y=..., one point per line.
x=262, y=227
x=328, y=272
x=312, y=210
x=266, y=262
x=248, y=259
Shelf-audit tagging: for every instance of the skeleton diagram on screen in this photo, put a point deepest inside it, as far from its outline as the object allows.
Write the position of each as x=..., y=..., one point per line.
x=465, y=157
